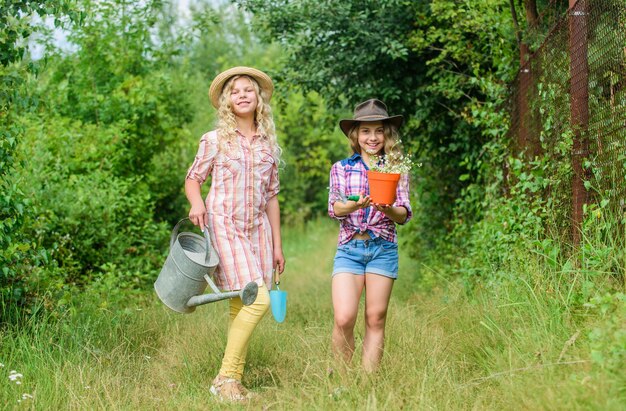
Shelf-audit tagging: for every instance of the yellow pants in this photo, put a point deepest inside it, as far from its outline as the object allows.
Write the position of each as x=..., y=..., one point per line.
x=243, y=320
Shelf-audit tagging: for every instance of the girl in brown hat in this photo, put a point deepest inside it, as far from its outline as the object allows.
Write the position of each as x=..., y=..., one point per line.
x=241, y=210
x=367, y=252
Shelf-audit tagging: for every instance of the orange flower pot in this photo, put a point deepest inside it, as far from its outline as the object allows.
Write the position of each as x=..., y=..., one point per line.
x=383, y=187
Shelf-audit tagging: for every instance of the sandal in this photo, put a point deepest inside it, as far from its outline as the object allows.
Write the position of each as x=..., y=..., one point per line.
x=244, y=390
x=229, y=389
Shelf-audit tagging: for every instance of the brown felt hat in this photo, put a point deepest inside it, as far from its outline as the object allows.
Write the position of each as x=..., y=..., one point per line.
x=369, y=111
x=217, y=85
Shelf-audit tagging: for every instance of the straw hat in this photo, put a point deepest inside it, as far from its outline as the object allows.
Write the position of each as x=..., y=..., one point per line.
x=369, y=111
x=265, y=82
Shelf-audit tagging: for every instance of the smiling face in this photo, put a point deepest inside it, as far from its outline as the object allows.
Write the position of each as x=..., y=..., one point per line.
x=371, y=137
x=243, y=97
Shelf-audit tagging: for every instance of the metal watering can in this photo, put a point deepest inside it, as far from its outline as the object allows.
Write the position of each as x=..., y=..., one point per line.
x=187, y=271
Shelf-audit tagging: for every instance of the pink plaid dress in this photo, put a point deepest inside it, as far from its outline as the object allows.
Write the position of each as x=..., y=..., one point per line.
x=243, y=179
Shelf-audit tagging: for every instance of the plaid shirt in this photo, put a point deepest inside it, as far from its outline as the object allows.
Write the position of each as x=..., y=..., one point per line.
x=243, y=179
x=349, y=176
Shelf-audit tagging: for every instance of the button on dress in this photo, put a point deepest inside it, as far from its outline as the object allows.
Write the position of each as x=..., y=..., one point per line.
x=243, y=178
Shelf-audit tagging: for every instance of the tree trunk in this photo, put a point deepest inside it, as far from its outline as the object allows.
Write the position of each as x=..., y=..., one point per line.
x=532, y=16
x=518, y=32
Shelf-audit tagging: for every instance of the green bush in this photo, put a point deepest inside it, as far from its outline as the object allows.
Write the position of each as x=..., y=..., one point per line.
x=608, y=337
x=83, y=213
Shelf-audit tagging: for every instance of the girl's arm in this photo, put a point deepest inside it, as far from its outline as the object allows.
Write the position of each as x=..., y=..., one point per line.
x=273, y=215
x=338, y=209
x=197, y=174
x=197, y=215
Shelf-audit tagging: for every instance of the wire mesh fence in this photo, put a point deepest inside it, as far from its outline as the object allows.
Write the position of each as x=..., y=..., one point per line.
x=568, y=106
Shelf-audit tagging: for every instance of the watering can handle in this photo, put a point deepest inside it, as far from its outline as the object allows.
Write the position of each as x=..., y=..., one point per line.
x=205, y=231
x=207, y=241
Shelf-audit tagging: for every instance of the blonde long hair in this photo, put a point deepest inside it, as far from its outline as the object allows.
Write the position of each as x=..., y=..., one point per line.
x=392, y=138
x=263, y=118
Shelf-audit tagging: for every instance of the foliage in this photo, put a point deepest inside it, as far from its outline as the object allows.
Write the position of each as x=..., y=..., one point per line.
x=86, y=215
x=608, y=338
x=17, y=24
x=309, y=150
x=105, y=110
x=119, y=76
x=331, y=48
x=17, y=252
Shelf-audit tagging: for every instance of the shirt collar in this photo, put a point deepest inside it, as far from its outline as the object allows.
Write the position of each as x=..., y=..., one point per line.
x=356, y=158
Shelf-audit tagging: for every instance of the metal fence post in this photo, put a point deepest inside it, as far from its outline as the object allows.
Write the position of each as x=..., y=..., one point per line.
x=579, y=101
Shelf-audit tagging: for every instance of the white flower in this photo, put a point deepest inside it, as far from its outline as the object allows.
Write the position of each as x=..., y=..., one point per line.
x=394, y=162
x=26, y=396
x=14, y=375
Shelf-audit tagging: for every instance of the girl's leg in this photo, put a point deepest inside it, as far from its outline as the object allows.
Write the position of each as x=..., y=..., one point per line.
x=243, y=320
x=346, y=292
x=235, y=305
x=377, y=294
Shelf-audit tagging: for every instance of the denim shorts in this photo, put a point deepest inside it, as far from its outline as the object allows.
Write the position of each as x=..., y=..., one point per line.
x=376, y=256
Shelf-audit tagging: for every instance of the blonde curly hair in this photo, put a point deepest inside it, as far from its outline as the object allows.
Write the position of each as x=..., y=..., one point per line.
x=263, y=118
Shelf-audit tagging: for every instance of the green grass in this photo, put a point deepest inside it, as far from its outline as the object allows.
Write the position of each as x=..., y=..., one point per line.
x=516, y=346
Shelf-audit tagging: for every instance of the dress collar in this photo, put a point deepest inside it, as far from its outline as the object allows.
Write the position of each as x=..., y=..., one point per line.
x=255, y=136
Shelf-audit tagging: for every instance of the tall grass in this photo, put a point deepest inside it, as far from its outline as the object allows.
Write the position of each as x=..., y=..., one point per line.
x=511, y=346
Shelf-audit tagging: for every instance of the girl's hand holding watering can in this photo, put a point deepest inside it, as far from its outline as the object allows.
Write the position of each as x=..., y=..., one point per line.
x=198, y=215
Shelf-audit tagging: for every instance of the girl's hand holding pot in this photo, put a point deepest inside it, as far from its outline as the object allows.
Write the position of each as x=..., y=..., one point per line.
x=382, y=207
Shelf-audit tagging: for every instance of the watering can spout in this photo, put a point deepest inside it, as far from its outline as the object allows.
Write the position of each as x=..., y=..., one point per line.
x=247, y=294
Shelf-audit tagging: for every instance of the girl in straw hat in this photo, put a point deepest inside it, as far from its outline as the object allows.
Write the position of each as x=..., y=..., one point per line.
x=367, y=252
x=241, y=210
